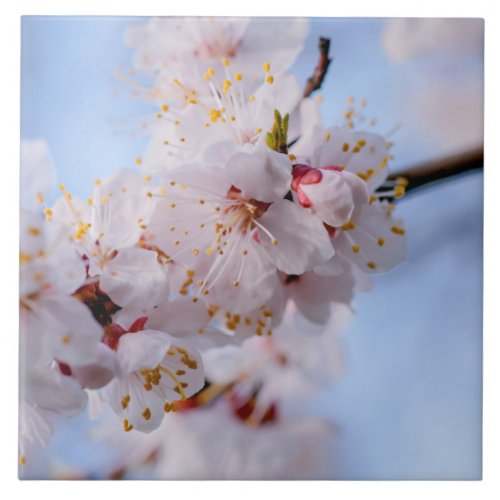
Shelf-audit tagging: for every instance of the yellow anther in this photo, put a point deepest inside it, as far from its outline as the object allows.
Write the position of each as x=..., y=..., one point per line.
x=381, y=242
x=22, y=459
x=192, y=101
x=270, y=79
x=328, y=136
x=225, y=62
x=348, y=226
x=355, y=248
x=138, y=161
x=274, y=241
x=238, y=77
x=398, y=230
x=147, y=178
x=402, y=181
x=267, y=67
x=361, y=143
x=164, y=108
x=66, y=339
x=209, y=74
x=126, y=426
x=146, y=414
x=236, y=283
x=215, y=115
x=399, y=191
x=34, y=231
x=371, y=265
x=373, y=198
x=292, y=157
x=226, y=85
x=251, y=99
x=345, y=147
x=125, y=401
x=209, y=251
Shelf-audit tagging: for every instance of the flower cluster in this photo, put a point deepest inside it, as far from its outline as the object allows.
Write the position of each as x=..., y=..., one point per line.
x=246, y=212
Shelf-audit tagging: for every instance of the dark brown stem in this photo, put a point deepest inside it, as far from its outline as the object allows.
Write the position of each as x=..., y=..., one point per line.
x=315, y=81
x=438, y=170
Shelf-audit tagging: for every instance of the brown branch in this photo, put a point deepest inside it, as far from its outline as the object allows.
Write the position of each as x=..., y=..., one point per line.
x=314, y=82
x=439, y=170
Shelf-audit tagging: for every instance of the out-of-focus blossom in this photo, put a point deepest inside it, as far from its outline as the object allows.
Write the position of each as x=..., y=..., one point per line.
x=445, y=94
x=407, y=38
x=289, y=366
x=107, y=230
x=218, y=446
x=177, y=52
x=37, y=173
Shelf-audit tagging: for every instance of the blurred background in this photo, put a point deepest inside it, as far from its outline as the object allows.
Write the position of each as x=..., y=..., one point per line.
x=408, y=403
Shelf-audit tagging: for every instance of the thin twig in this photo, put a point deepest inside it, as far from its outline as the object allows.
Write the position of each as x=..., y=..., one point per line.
x=315, y=81
x=438, y=170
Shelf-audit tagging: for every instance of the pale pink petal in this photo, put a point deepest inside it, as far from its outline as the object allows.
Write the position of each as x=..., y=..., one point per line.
x=261, y=175
x=298, y=241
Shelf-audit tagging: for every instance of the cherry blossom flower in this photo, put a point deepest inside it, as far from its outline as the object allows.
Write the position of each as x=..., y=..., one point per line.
x=212, y=444
x=156, y=370
x=405, y=39
x=108, y=230
x=183, y=47
x=234, y=230
x=227, y=113
x=290, y=365
x=37, y=173
x=58, y=325
x=344, y=181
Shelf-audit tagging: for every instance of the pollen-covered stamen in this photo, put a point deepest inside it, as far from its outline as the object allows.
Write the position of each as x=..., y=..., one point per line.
x=391, y=189
x=353, y=115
